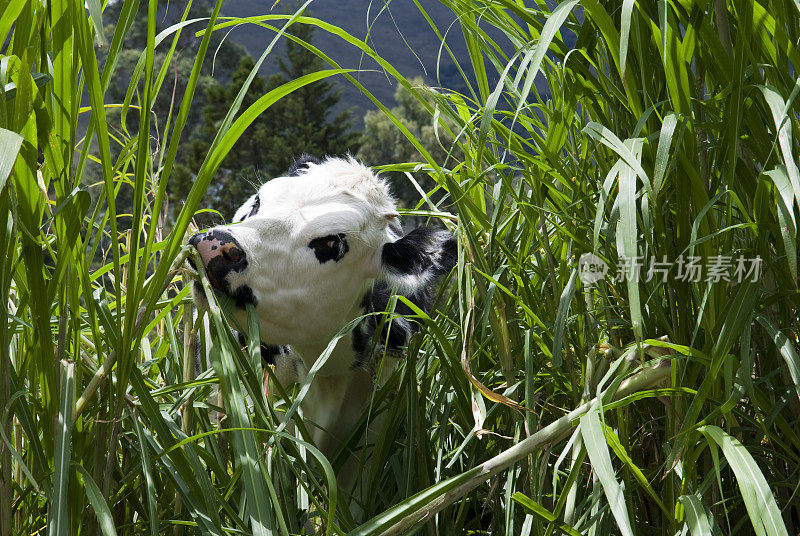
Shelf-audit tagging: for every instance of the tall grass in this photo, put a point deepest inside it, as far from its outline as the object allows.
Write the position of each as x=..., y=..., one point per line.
x=532, y=403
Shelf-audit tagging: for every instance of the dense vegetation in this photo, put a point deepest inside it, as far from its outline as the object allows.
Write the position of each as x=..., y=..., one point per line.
x=536, y=402
x=302, y=121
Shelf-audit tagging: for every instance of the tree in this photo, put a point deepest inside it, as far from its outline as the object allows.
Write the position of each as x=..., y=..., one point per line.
x=246, y=159
x=214, y=76
x=298, y=123
x=383, y=143
x=302, y=122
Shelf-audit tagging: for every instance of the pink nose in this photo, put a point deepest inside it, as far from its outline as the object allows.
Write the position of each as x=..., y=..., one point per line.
x=221, y=254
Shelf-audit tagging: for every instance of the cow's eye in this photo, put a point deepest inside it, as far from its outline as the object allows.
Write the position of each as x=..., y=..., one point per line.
x=252, y=211
x=329, y=248
x=256, y=206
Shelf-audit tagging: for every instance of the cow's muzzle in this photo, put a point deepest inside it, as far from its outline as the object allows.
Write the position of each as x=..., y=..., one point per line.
x=221, y=254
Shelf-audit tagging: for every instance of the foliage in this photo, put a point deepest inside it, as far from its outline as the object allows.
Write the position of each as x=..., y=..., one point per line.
x=533, y=403
x=234, y=180
x=300, y=123
x=383, y=144
x=303, y=122
x=175, y=65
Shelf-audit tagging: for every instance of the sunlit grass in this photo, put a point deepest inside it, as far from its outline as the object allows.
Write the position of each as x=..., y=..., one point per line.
x=533, y=403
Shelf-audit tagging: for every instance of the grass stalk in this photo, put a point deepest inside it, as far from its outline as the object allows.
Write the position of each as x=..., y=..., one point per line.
x=620, y=128
x=408, y=514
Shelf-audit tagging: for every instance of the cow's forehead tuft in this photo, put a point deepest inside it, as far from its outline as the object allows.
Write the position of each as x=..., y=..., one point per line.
x=330, y=180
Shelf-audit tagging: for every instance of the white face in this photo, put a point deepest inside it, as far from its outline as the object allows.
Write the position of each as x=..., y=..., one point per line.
x=304, y=250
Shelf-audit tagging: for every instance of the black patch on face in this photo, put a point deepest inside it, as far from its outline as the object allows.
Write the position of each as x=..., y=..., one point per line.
x=329, y=248
x=300, y=163
x=244, y=295
x=253, y=209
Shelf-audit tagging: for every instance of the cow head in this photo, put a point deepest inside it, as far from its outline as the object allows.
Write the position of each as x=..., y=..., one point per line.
x=306, y=248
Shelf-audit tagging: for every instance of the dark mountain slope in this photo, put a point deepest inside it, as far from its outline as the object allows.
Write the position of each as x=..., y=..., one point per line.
x=397, y=31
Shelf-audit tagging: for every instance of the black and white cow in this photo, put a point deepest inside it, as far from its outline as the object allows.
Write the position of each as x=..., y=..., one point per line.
x=312, y=251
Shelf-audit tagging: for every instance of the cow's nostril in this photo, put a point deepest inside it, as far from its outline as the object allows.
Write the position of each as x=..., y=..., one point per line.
x=232, y=253
x=220, y=254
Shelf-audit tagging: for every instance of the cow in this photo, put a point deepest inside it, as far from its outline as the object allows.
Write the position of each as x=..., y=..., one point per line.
x=315, y=251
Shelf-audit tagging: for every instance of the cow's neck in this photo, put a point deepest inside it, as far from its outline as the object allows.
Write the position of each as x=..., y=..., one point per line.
x=340, y=360
x=342, y=356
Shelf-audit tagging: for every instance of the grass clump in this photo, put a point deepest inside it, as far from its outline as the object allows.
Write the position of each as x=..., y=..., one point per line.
x=535, y=403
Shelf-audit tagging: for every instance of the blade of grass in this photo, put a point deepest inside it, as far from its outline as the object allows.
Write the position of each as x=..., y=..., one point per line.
x=764, y=512
x=696, y=515
x=98, y=502
x=537, y=509
x=595, y=442
x=786, y=349
x=10, y=143
x=561, y=318
x=58, y=520
x=147, y=473
x=785, y=203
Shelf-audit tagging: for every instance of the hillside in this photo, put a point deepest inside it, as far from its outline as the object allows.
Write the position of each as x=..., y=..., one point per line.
x=398, y=31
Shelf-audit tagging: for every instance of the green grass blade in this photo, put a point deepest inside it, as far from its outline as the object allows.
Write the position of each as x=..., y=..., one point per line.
x=538, y=510
x=596, y=447
x=11, y=11
x=550, y=29
x=58, y=516
x=561, y=318
x=785, y=203
x=16, y=455
x=662, y=153
x=663, y=6
x=696, y=515
x=98, y=502
x=96, y=16
x=761, y=506
x=147, y=474
x=619, y=449
x=786, y=349
x=627, y=238
x=10, y=143
x=624, y=35
x=779, y=110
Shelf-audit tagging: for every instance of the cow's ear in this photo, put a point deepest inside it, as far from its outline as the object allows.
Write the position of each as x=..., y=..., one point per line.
x=417, y=258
